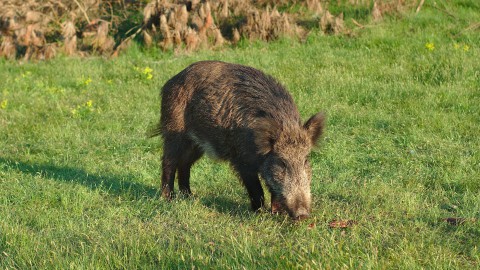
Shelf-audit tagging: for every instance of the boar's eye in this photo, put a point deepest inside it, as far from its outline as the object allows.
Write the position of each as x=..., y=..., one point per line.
x=279, y=169
x=282, y=164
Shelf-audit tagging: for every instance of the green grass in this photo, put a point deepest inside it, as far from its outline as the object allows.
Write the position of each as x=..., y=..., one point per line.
x=79, y=180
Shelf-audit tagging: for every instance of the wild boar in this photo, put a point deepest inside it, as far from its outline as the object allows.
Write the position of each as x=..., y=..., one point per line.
x=239, y=114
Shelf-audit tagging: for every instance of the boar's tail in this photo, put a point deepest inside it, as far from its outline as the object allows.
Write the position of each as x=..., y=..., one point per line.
x=155, y=131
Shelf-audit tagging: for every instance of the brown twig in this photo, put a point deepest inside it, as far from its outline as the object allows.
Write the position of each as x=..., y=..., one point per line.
x=420, y=6
x=127, y=39
x=473, y=26
x=357, y=23
x=83, y=11
x=111, y=13
x=446, y=12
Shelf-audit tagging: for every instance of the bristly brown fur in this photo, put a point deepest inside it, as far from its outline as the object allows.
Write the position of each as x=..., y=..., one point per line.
x=238, y=114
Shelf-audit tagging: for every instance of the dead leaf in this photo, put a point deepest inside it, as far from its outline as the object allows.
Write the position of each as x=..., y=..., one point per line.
x=311, y=226
x=455, y=221
x=342, y=223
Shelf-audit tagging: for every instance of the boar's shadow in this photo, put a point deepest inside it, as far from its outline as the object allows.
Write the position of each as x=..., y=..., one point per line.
x=225, y=205
x=117, y=185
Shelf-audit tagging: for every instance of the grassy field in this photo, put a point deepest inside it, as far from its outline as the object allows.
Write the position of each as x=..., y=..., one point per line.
x=79, y=180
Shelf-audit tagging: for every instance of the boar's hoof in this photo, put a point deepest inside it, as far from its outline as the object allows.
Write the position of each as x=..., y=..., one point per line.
x=185, y=191
x=167, y=195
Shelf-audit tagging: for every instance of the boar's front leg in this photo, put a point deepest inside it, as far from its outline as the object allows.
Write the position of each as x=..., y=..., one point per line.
x=249, y=177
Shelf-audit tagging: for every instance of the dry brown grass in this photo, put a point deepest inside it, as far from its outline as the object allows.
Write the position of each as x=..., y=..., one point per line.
x=37, y=29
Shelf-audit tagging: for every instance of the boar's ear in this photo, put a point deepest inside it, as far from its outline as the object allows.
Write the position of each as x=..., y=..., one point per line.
x=266, y=133
x=314, y=126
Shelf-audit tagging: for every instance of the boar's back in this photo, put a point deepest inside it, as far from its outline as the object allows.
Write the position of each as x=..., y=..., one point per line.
x=216, y=104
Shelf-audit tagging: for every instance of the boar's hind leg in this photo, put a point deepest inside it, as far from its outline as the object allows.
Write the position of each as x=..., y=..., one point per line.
x=172, y=146
x=179, y=153
x=254, y=188
x=168, y=175
x=191, y=153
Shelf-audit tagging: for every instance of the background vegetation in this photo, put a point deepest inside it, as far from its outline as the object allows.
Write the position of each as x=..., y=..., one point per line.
x=400, y=160
x=39, y=29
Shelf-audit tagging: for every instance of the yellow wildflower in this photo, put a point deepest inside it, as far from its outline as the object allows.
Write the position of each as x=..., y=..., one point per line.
x=89, y=104
x=4, y=104
x=430, y=46
x=456, y=46
x=87, y=81
x=147, y=71
x=466, y=48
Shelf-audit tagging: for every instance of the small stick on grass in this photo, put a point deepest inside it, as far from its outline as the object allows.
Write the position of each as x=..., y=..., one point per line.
x=446, y=12
x=470, y=27
x=357, y=23
x=420, y=6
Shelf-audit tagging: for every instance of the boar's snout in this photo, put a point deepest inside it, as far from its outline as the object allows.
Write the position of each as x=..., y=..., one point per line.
x=301, y=214
x=298, y=205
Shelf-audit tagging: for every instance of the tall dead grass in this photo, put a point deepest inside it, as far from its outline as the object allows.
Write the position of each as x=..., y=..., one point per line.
x=39, y=29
